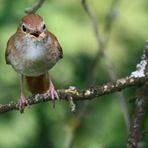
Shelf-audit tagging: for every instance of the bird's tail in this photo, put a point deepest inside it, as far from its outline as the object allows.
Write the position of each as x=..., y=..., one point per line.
x=38, y=84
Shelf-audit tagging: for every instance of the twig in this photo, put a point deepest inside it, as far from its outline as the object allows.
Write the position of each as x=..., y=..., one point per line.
x=91, y=74
x=72, y=104
x=34, y=7
x=111, y=16
x=77, y=95
x=100, y=44
x=109, y=66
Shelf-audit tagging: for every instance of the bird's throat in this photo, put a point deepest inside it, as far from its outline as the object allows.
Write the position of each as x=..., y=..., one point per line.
x=33, y=49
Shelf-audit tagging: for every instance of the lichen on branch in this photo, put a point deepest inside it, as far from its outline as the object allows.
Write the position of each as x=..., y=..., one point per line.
x=80, y=95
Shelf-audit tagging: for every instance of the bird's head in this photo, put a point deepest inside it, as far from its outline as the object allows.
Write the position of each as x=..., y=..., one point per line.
x=33, y=26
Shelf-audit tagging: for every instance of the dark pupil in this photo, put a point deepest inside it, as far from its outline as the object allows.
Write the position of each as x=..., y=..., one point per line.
x=44, y=26
x=24, y=28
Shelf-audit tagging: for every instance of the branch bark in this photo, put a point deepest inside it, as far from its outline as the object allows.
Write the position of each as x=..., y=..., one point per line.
x=77, y=94
x=136, y=130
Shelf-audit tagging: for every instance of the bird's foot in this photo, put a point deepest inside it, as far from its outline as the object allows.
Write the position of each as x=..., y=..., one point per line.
x=22, y=103
x=53, y=94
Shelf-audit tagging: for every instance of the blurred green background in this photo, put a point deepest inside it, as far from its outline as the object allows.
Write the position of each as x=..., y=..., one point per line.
x=102, y=125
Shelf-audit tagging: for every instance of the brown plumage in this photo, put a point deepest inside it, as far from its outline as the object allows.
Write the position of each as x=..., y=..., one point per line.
x=38, y=84
x=33, y=51
x=36, y=19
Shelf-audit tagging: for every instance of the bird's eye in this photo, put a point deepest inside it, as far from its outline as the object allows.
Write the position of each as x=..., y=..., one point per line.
x=44, y=26
x=24, y=28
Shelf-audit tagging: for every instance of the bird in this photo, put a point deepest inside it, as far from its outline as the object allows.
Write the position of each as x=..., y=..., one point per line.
x=32, y=51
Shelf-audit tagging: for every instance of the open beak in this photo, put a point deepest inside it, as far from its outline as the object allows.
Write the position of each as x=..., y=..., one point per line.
x=37, y=35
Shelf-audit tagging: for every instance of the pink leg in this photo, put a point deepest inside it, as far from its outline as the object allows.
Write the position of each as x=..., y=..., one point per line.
x=22, y=102
x=52, y=92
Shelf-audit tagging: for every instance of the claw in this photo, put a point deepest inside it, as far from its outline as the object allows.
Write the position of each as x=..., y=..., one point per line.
x=52, y=93
x=22, y=103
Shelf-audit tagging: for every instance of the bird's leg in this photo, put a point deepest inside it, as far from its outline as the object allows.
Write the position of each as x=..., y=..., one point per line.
x=52, y=92
x=23, y=101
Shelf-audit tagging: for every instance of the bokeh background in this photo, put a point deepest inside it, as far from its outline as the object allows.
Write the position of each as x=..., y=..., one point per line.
x=102, y=125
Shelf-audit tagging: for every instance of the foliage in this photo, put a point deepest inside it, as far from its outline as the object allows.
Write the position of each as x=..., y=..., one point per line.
x=103, y=124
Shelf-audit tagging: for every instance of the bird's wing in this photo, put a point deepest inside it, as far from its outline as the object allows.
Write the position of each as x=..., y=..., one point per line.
x=56, y=44
x=9, y=48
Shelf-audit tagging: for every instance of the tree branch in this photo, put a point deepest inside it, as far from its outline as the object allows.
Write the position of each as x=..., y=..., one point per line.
x=34, y=7
x=136, y=131
x=76, y=94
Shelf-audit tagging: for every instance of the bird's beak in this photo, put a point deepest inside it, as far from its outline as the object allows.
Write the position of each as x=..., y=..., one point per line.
x=37, y=35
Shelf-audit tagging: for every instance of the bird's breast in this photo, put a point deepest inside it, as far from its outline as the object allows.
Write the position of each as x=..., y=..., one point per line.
x=34, y=52
x=33, y=57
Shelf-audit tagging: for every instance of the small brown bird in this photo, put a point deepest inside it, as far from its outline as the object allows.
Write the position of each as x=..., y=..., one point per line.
x=32, y=51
